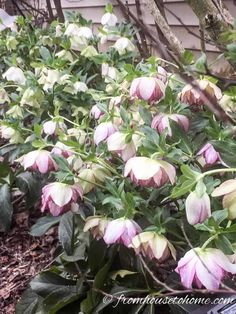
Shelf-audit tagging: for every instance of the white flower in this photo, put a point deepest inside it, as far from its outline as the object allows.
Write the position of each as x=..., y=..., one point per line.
x=48, y=78
x=65, y=55
x=109, y=19
x=124, y=45
x=108, y=71
x=15, y=74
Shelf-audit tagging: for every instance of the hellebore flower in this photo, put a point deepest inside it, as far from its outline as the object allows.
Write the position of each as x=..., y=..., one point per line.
x=117, y=143
x=149, y=172
x=11, y=134
x=103, y=131
x=4, y=96
x=108, y=71
x=228, y=189
x=124, y=45
x=191, y=95
x=95, y=112
x=162, y=122
x=153, y=245
x=48, y=78
x=62, y=150
x=150, y=89
x=109, y=19
x=121, y=230
x=88, y=177
x=210, y=155
x=15, y=75
x=162, y=74
x=96, y=225
x=204, y=267
x=40, y=160
x=58, y=198
x=198, y=208
x=32, y=97
x=50, y=127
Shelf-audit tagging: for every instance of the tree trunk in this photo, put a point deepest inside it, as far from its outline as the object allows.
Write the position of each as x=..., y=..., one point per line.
x=59, y=10
x=215, y=18
x=9, y=8
x=173, y=42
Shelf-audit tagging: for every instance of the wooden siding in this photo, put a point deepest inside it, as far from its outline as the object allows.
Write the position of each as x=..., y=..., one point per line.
x=94, y=9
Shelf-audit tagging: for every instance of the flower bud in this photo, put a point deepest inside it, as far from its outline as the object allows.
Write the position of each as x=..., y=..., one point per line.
x=103, y=131
x=96, y=225
x=153, y=245
x=210, y=155
x=109, y=19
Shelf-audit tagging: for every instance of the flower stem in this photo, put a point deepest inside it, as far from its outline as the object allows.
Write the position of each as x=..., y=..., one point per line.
x=209, y=240
x=207, y=173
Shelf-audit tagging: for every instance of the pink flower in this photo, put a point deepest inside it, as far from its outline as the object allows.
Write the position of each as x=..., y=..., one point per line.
x=210, y=155
x=204, y=267
x=58, y=198
x=191, y=95
x=153, y=245
x=121, y=230
x=150, y=89
x=103, y=131
x=40, y=160
x=49, y=127
x=62, y=150
x=198, y=208
x=162, y=122
x=162, y=74
x=117, y=143
x=97, y=225
x=95, y=112
x=149, y=172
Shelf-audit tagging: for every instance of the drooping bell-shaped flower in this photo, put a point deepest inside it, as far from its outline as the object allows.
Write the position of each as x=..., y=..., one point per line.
x=96, y=225
x=103, y=131
x=190, y=95
x=198, y=208
x=121, y=230
x=162, y=121
x=11, y=134
x=15, y=75
x=124, y=45
x=62, y=150
x=50, y=127
x=150, y=89
x=40, y=160
x=149, y=172
x=109, y=19
x=204, y=268
x=228, y=190
x=153, y=245
x=95, y=112
x=210, y=155
x=162, y=74
x=58, y=198
x=117, y=143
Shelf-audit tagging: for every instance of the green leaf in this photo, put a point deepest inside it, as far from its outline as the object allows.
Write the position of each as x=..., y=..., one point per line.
x=43, y=225
x=66, y=232
x=223, y=243
x=179, y=135
x=220, y=215
x=31, y=184
x=28, y=303
x=227, y=150
x=124, y=115
x=201, y=62
x=109, y=8
x=45, y=53
x=145, y=115
x=6, y=208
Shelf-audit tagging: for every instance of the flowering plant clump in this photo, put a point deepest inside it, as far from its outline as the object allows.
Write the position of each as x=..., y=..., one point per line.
x=123, y=156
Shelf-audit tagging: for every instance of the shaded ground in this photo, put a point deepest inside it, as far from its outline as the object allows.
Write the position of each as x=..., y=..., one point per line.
x=21, y=258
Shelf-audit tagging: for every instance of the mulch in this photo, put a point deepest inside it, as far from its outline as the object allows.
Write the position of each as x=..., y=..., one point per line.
x=21, y=258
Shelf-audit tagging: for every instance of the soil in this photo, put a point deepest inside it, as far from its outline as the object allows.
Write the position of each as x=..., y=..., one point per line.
x=21, y=258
